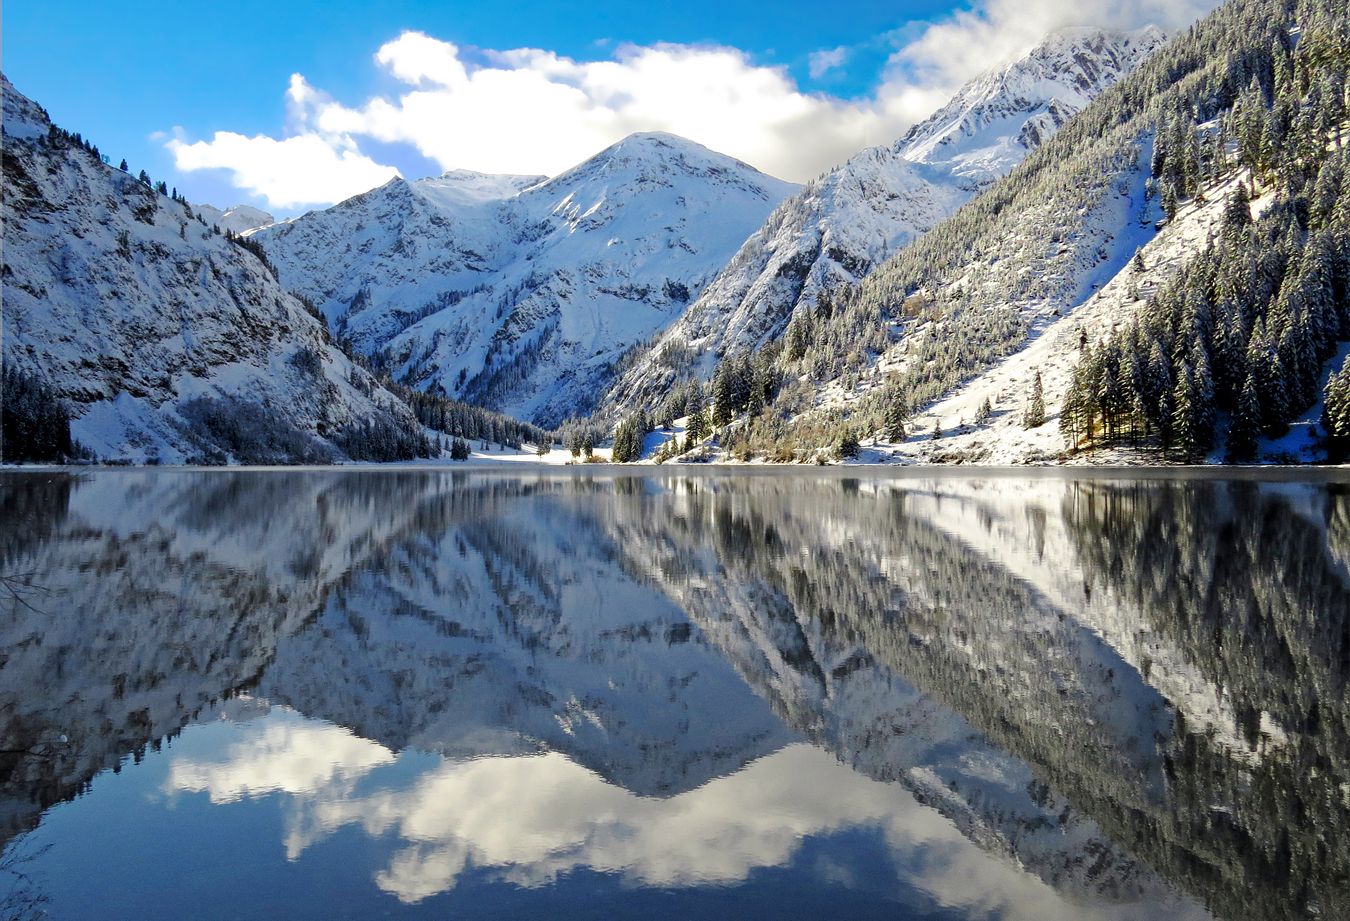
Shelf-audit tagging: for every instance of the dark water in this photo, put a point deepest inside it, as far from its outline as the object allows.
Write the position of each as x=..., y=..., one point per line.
x=431, y=695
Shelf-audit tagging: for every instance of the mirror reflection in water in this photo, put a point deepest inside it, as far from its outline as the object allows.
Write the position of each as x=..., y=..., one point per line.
x=411, y=693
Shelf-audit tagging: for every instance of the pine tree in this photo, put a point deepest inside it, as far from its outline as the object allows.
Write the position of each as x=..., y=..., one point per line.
x=1336, y=414
x=1035, y=412
x=1237, y=216
x=698, y=427
x=1246, y=427
x=984, y=413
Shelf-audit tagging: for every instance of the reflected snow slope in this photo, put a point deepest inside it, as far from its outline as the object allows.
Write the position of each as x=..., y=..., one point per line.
x=416, y=693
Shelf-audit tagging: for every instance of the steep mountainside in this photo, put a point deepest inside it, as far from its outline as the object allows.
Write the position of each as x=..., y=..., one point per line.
x=520, y=293
x=1220, y=161
x=842, y=225
x=165, y=340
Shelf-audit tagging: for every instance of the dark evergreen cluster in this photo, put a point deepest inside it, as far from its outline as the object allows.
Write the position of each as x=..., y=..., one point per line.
x=228, y=427
x=686, y=399
x=61, y=138
x=384, y=439
x=34, y=424
x=1336, y=415
x=255, y=247
x=473, y=423
x=745, y=383
x=582, y=436
x=629, y=437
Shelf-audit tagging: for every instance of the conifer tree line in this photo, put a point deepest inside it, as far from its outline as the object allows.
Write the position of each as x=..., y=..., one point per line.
x=253, y=246
x=472, y=423
x=383, y=440
x=1242, y=334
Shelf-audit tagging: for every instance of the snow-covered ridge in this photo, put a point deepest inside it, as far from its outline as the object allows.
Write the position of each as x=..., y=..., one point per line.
x=240, y=218
x=130, y=308
x=997, y=118
x=841, y=226
x=520, y=293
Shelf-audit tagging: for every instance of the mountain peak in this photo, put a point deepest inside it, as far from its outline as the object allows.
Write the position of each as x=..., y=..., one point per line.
x=239, y=218
x=666, y=152
x=994, y=120
x=23, y=118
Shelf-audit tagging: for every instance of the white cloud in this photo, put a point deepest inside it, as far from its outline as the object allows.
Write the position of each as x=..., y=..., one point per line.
x=951, y=52
x=824, y=61
x=533, y=111
x=303, y=170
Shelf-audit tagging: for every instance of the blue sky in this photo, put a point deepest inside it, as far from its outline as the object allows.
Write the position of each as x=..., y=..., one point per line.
x=307, y=114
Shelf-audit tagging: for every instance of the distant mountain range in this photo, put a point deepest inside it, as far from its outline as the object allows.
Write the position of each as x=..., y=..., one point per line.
x=520, y=293
x=523, y=294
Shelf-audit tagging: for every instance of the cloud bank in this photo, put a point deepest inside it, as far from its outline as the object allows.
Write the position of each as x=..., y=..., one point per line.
x=533, y=111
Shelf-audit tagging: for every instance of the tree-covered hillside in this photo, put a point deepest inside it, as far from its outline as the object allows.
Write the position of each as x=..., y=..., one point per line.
x=1253, y=97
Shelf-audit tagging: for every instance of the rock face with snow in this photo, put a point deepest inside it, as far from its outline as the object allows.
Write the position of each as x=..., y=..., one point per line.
x=520, y=293
x=842, y=225
x=239, y=219
x=145, y=322
x=1000, y=116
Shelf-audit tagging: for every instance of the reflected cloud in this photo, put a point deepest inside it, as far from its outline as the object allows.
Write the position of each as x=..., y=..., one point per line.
x=529, y=820
x=282, y=752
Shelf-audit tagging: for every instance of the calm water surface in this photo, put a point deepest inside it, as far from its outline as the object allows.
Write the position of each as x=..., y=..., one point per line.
x=424, y=694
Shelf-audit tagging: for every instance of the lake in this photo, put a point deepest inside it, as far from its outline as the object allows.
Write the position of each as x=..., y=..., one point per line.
x=421, y=693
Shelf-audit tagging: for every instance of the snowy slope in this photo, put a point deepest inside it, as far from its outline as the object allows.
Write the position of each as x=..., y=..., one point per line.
x=991, y=124
x=129, y=306
x=519, y=293
x=840, y=226
x=239, y=218
x=1055, y=351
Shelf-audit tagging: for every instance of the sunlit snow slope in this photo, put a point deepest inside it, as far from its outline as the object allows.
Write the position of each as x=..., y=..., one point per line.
x=840, y=226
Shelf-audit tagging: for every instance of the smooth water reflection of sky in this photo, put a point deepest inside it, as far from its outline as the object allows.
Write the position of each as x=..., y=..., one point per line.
x=239, y=810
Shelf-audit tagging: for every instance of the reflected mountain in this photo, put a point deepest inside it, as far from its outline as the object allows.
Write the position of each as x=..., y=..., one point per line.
x=1133, y=691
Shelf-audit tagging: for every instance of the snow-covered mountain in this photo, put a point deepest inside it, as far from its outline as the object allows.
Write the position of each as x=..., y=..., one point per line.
x=238, y=219
x=997, y=118
x=156, y=332
x=840, y=226
x=519, y=292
